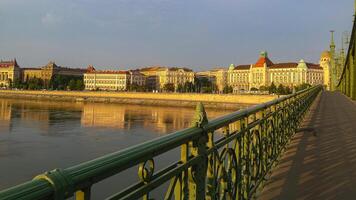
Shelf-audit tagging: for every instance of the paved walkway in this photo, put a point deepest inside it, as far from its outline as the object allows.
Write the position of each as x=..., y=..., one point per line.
x=319, y=164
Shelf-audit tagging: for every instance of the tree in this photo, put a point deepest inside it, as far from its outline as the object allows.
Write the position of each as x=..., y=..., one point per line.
x=288, y=90
x=180, y=88
x=79, y=85
x=281, y=89
x=272, y=88
x=72, y=84
x=227, y=89
x=254, y=89
x=302, y=86
x=188, y=87
x=168, y=87
x=263, y=88
x=34, y=84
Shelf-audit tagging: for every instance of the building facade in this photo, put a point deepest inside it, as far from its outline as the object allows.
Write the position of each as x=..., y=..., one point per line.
x=218, y=77
x=158, y=77
x=112, y=80
x=152, y=78
x=175, y=76
x=264, y=72
x=9, y=72
x=47, y=72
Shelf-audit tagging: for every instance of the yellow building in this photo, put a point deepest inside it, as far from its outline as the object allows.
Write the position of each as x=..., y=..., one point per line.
x=9, y=72
x=325, y=63
x=175, y=76
x=112, y=80
x=158, y=77
x=152, y=77
x=217, y=76
x=47, y=72
x=264, y=72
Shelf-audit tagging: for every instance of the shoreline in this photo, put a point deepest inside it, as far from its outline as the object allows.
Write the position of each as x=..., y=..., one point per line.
x=214, y=101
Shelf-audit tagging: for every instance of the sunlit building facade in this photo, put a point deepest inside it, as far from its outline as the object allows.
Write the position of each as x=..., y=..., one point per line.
x=112, y=80
x=175, y=76
x=9, y=72
x=264, y=72
x=158, y=77
x=218, y=77
x=47, y=72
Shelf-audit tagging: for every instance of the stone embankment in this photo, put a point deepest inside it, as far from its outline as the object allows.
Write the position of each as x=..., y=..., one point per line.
x=223, y=101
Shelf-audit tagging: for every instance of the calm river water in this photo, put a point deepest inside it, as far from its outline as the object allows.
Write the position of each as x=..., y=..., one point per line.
x=36, y=136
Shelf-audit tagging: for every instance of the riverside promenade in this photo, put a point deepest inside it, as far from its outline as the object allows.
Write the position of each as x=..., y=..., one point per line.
x=320, y=161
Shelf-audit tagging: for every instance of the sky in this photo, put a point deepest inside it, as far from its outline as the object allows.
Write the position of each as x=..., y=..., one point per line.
x=199, y=34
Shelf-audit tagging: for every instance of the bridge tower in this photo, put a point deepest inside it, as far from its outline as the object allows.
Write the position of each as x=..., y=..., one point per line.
x=332, y=62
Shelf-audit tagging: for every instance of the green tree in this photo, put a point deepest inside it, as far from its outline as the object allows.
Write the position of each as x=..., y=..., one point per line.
x=288, y=90
x=227, y=89
x=180, y=88
x=263, y=88
x=272, y=88
x=302, y=86
x=168, y=87
x=188, y=87
x=254, y=89
x=281, y=89
x=72, y=84
x=79, y=84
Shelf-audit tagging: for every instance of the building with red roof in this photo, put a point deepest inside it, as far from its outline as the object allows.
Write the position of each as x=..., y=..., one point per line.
x=9, y=72
x=112, y=79
x=264, y=72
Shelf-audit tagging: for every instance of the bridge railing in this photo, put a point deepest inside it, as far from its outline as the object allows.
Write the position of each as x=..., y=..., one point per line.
x=347, y=80
x=225, y=158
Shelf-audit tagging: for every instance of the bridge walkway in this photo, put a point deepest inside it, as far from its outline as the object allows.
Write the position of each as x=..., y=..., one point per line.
x=320, y=161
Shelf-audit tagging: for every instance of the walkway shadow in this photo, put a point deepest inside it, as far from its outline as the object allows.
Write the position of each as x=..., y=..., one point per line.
x=320, y=161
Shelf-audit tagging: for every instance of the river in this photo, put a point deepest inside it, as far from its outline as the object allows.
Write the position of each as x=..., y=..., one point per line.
x=37, y=136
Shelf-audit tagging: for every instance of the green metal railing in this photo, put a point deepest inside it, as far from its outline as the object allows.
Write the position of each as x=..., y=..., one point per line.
x=347, y=81
x=231, y=164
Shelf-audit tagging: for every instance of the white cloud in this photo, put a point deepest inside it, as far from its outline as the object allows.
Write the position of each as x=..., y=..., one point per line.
x=50, y=19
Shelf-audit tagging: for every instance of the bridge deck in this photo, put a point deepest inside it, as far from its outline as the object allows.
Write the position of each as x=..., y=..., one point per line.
x=320, y=161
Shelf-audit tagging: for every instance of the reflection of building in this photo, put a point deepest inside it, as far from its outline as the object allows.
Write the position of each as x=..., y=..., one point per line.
x=264, y=72
x=103, y=115
x=46, y=73
x=112, y=80
x=5, y=115
x=218, y=77
x=157, y=119
x=9, y=72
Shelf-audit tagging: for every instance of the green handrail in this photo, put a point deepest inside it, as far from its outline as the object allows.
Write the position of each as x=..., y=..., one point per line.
x=232, y=166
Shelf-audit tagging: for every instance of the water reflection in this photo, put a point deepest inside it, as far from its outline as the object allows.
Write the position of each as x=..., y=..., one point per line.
x=158, y=119
x=100, y=115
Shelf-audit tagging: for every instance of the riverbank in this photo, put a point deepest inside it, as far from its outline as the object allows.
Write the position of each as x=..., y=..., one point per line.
x=223, y=101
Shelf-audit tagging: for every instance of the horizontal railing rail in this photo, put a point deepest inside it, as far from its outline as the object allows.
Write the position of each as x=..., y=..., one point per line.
x=231, y=164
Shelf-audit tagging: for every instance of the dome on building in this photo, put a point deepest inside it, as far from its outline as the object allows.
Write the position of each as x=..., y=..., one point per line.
x=325, y=54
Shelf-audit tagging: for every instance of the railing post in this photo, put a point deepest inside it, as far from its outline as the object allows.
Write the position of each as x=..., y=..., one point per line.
x=197, y=174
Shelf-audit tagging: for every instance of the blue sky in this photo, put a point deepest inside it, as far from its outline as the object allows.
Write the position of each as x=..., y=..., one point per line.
x=200, y=34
